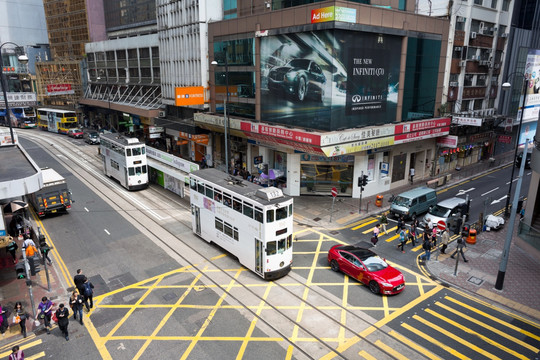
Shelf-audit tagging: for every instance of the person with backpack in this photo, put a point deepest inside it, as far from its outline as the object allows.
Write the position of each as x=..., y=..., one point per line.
x=413, y=233
x=384, y=222
x=88, y=294
x=45, y=312
x=402, y=240
x=459, y=249
x=427, y=249
x=12, y=249
x=399, y=224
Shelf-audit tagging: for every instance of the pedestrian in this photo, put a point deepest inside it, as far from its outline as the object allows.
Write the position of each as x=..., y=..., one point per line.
x=45, y=249
x=88, y=294
x=459, y=248
x=402, y=239
x=384, y=221
x=434, y=237
x=79, y=280
x=4, y=324
x=16, y=353
x=45, y=312
x=76, y=302
x=445, y=238
x=27, y=242
x=427, y=249
x=412, y=234
x=20, y=316
x=203, y=162
x=399, y=224
x=12, y=249
x=375, y=237
x=521, y=213
x=411, y=174
x=62, y=316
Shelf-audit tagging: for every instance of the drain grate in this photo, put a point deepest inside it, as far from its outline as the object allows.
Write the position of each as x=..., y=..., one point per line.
x=476, y=281
x=317, y=219
x=334, y=232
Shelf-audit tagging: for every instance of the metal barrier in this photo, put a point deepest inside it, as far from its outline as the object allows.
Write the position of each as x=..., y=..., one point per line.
x=529, y=234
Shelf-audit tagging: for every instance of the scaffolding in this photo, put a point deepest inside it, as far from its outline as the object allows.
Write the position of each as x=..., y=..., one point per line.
x=59, y=83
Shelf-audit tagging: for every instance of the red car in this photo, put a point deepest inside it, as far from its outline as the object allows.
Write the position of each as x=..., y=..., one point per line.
x=367, y=267
x=75, y=133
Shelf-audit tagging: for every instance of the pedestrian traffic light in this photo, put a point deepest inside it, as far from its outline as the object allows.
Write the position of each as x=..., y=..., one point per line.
x=20, y=270
x=34, y=265
x=364, y=180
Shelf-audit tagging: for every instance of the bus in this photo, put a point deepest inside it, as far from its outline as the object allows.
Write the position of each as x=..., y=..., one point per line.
x=26, y=117
x=251, y=222
x=57, y=120
x=124, y=159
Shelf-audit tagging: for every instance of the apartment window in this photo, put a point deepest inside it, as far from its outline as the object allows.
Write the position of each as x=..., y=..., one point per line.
x=505, y=5
x=481, y=81
x=121, y=54
x=454, y=77
x=477, y=2
x=468, y=80
x=465, y=105
x=493, y=4
x=478, y=104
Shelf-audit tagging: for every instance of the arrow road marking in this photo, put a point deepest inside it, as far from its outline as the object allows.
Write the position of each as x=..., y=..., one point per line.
x=461, y=192
x=498, y=200
x=497, y=188
x=121, y=347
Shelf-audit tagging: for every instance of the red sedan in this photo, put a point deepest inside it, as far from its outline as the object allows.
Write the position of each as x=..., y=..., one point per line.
x=367, y=267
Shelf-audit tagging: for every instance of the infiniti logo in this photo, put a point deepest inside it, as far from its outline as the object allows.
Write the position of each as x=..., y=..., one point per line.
x=363, y=98
x=356, y=98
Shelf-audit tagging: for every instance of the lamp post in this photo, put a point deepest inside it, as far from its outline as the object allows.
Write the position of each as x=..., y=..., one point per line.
x=506, y=86
x=225, y=116
x=23, y=59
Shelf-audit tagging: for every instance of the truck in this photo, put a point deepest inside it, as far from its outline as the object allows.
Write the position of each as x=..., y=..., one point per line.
x=54, y=196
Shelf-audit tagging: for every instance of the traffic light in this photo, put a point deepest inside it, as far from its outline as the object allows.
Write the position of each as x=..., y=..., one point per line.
x=20, y=270
x=362, y=181
x=34, y=265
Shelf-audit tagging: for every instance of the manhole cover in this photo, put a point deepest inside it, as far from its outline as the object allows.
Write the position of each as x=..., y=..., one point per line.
x=334, y=232
x=317, y=219
x=475, y=280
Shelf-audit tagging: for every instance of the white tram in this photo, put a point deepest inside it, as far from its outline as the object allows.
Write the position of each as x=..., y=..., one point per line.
x=253, y=223
x=124, y=159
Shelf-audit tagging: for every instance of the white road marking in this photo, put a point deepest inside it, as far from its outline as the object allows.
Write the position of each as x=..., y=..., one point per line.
x=461, y=192
x=108, y=233
x=86, y=209
x=490, y=191
x=499, y=200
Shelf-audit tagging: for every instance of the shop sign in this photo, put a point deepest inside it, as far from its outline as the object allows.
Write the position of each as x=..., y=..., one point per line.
x=320, y=158
x=199, y=139
x=421, y=125
x=384, y=168
x=449, y=141
x=171, y=160
x=189, y=95
x=155, y=129
x=420, y=135
x=356, y=135
x=460, y=120
x=333, y=13
x=154, y=136
x=505, y=139
x=480, y=137
x=357, y=146
x=59, y=89
x=280, y=132
x=16, y=99
x=287, y=143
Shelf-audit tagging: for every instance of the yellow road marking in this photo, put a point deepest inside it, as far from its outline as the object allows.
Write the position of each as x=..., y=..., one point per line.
x=392, y=238
x=433, y=341
x=422, y=350
x=36, y=356
x=364, y=224
x=488, y=327
x=389, y=350
x=10, y=345
x=456, y=338
x=493, y=318
x=366, y=356
x=21, y=347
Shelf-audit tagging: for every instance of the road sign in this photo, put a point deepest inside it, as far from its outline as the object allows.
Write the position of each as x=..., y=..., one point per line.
x=441, y=225
x=334, y=192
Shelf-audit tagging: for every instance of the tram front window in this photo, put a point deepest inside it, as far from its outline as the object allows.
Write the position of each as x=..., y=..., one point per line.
x=271, y=248
x=281, y=246
x=281, y=213
x=136, y=151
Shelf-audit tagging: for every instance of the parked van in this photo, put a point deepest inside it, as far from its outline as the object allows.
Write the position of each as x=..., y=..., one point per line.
x=413, y=202
x=448, y=211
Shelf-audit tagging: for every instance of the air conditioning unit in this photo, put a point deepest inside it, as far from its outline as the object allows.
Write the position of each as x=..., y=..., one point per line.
x=463, y=63
x=458, y=48
x=473, y=35
x=474, y=57
x=504, y=35
x=454, y=83
x=460, y=19
x=162, y=114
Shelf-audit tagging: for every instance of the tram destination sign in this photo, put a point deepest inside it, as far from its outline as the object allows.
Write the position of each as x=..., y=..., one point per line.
x=18, y=99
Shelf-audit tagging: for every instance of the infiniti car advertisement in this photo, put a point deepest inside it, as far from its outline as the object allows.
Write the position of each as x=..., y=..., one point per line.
x=330, y=79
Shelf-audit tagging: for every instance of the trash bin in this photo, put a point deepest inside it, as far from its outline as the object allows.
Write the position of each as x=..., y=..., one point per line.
x=378, y=200
x=471, y=239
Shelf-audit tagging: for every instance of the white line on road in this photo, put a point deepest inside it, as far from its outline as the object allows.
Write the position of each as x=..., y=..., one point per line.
x=492, y=190
x=108, y=233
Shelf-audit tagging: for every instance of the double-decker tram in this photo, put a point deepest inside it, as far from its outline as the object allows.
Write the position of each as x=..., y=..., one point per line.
x=57, y=120
x=253, y=223
x=124, y=159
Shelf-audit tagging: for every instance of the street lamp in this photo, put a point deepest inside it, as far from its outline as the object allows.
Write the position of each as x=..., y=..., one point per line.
x=23, y=59
x=507, y=86
x=225, y=116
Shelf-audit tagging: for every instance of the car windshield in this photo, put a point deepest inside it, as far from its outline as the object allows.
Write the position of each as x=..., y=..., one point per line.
x=375, y=263
x=440, y=211
x=400, y=200
x=76, y=130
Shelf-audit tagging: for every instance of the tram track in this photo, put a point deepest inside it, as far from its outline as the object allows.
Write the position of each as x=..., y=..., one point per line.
x=84, y=167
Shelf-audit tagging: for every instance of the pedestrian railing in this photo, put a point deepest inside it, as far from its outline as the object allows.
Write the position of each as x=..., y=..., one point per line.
x=529, y=234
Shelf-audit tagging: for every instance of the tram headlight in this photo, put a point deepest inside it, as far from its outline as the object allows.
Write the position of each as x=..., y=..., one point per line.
x=281, y=264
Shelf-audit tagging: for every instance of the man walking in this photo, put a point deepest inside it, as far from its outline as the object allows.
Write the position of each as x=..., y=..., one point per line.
x=445, y=238
x=427, y=249
x=411, y=174
x=88, y=294
x=384, y=222
x=459, y=249
x=62, y=314
x=79, y=281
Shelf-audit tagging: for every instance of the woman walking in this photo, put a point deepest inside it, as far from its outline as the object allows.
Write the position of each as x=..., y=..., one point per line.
x=19, y=317
x=76, y=302
x=62, y=315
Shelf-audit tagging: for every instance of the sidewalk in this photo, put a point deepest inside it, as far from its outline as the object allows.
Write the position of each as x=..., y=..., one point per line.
x=477, y=276
x=13, y=290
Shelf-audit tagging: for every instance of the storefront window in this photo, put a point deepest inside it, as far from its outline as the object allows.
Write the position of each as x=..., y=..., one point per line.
x=320, y=177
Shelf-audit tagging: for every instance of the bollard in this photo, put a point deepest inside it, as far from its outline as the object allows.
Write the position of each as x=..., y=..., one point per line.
x=379, y=200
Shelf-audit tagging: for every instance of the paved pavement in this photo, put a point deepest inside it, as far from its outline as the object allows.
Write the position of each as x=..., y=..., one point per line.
x=477, y=276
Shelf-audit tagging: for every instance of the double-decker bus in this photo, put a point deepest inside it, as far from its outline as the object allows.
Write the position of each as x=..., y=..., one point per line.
x=253, y=223
x=57, y=120
x=26, y=117
x=124, y=159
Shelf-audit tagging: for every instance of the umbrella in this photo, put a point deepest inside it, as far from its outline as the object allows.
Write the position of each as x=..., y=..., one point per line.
x=14, y=206
x=271, y=174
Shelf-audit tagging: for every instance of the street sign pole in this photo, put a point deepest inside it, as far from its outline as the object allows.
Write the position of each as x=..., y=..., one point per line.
x=334, y=194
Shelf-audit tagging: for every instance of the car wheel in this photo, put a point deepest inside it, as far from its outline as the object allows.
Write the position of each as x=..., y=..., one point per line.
x=301, y=89
x=374, y=287
x=334, y=265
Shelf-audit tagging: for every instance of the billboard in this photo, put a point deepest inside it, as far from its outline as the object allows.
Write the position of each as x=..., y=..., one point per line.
x=532, y=74
x=190, y=95
x=330, y=79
